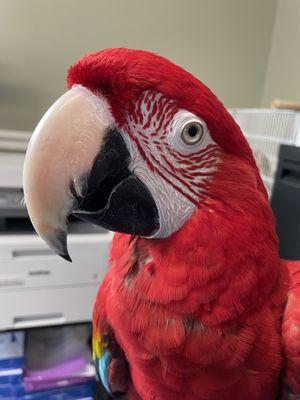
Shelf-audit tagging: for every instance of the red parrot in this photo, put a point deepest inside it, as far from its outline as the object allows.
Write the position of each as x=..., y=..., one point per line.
x=197, y=303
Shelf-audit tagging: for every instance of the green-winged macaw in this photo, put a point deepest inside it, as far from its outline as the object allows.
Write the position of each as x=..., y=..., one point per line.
x=197, y=303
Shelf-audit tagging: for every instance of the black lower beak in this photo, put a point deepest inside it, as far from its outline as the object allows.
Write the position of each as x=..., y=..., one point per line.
x=114, y=197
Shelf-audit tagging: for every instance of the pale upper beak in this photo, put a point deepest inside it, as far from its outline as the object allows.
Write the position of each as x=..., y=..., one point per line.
x=78, y=162
x=61, y=153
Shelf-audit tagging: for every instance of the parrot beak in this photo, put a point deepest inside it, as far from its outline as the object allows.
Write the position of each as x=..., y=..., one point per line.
x=78, y=163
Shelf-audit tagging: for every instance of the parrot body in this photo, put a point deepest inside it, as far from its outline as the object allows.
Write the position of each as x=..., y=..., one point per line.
x=198, y=316
x=197, y=303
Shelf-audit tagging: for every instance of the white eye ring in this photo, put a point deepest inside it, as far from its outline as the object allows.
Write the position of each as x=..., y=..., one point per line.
x=192, y=132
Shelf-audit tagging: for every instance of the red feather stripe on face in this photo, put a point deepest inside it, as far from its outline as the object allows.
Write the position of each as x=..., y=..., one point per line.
x=184, y=171
x=167, y=120
x=191, y=188
x=143, y=154
x=145, y=138
x=211, y=150
x=163, y=111
x=151, y=116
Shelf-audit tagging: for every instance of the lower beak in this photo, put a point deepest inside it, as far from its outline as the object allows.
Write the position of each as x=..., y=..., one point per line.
x=78, y=163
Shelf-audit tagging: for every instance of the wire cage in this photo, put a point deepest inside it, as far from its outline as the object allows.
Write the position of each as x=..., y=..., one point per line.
x=265, y=130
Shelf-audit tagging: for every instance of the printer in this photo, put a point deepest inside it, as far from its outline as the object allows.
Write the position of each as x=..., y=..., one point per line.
x=37, y=288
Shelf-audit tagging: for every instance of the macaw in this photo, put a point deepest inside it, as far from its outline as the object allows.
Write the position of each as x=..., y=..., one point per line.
x=197, y=303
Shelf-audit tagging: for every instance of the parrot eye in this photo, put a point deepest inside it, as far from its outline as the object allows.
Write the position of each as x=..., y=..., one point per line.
x=192, y=132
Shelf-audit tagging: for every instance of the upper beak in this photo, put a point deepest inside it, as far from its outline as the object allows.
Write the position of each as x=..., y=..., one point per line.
x=77, y=162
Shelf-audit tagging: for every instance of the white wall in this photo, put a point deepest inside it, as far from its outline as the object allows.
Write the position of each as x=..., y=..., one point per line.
x=223, y=42
x=283, y=71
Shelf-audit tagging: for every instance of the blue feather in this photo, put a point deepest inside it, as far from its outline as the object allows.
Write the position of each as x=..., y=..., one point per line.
x=103, y=369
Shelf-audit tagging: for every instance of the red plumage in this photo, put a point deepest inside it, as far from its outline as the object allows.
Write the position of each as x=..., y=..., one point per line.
x=197, y=314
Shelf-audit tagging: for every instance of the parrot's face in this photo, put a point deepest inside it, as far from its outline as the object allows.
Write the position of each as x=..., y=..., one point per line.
x=133, y=146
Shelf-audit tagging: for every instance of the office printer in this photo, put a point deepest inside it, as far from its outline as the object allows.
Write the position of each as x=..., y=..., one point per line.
x=37, y=288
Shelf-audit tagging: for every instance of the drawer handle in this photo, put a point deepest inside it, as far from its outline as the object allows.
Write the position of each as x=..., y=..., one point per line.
x=38, y=320
x=32, y=253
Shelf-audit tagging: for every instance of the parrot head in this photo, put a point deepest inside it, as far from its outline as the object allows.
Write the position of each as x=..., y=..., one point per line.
x=135, y=145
